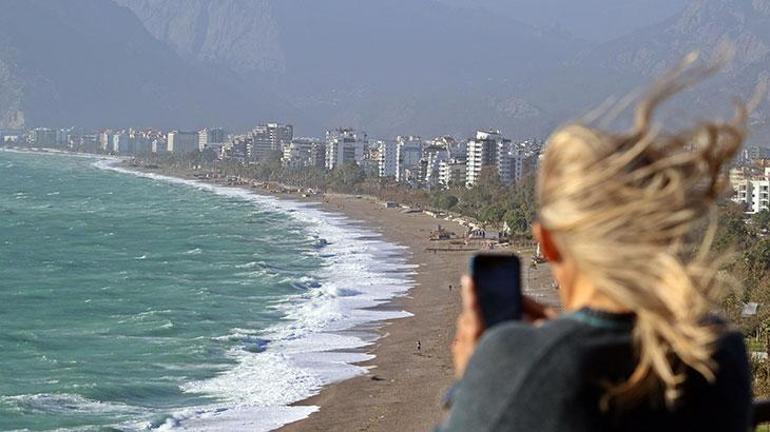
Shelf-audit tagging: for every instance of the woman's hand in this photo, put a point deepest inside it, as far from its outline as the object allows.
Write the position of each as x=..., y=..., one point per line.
x=470, y=325
x=469, y=328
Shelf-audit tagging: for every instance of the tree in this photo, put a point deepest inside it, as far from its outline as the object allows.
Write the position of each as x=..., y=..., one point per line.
x=732, y=231
x=518, y=221
x=758, y=258
x=761, y=221
x=493, y=215
x=347, y=176
x=444, y=200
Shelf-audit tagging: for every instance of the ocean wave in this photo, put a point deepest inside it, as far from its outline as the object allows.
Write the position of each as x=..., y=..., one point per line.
x=294, y=358
x=63, y=403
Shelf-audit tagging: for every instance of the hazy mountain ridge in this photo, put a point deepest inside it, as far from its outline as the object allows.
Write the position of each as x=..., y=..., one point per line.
x=595, y=21
x=704, y=26
x=239, y=34
x=91, y=63
x=369, y=64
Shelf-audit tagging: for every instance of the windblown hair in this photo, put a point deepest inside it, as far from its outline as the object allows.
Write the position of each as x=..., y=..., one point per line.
x=625, y=207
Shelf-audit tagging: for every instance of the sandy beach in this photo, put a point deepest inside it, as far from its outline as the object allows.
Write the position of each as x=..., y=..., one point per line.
x=404, y=387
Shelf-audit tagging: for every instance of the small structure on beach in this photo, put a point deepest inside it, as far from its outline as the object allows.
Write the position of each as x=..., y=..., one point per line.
x=749, y=309
x=439, y=234
x=481, y=234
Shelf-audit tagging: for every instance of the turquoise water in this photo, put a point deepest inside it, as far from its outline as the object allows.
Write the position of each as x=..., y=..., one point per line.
x=125, y=300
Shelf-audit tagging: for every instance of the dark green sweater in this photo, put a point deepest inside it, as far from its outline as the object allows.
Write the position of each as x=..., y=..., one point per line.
x=547, y=378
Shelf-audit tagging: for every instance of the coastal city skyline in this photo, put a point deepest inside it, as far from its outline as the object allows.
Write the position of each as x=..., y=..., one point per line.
x=441, y=161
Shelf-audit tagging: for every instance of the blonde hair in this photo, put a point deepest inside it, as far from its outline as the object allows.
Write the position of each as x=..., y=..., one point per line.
x=624, y=206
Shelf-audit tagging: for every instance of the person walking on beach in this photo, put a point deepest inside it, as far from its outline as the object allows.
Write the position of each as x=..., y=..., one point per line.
x=636, y=347
x=419, y=346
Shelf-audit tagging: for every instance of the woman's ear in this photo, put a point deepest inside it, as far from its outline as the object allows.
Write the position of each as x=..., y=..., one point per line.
x=547, y=247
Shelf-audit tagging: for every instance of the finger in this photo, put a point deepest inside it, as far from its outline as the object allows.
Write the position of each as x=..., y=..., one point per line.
x=468, y=292
x=550, y=313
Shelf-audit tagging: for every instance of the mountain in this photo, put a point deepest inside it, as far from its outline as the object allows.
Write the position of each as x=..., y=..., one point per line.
x=595, y=21
x=92, y=63
x=390, y=66
x=240, y=34
x=702, y=26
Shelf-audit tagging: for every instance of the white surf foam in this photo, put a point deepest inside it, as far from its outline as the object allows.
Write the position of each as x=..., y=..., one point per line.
x=63, y=403
x=311, y=347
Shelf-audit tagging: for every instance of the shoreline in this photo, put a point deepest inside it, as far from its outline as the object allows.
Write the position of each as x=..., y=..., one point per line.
x=341, y=343
x=402, y=387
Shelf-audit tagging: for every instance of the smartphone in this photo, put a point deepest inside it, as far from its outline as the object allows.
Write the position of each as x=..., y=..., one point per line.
x=497, y=279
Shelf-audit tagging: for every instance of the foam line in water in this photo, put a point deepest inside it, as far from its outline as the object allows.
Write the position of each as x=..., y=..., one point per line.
x=314, y=345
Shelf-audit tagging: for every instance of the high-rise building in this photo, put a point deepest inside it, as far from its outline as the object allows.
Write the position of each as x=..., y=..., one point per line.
x=182, y=142
x=509, y=165
x=317, y=157
x=452, y=172
x=238, y=149
x=269, y=138
x=122, y=143
x=214, y=137
x=491, y=149
x=432, y=156
x=141, y=142
x=482, y=152
x=345, y=146
x=105, y=141
x=751, y=188
x=303, y=153
x=43, y=137
x=388, y=158
x=408, y=155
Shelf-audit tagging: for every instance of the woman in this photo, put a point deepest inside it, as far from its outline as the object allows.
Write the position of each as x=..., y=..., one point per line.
x=636, y=347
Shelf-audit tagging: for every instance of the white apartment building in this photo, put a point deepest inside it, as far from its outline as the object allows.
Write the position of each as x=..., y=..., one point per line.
x=760, y=195
x=387, y=163
x=182, y=142
x=345, y=146
x=408, y=155
x=482, y=151
x=105, y=140
x=491, y=149
x=122, y=144
x=751, y=189
x=431, y=159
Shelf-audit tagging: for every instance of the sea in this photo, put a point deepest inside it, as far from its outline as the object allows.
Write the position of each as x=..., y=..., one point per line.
x=133, y=301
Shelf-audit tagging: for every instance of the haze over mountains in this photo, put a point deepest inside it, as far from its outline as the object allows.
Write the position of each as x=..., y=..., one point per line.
x=391, y=66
